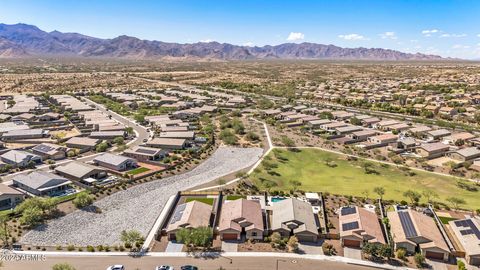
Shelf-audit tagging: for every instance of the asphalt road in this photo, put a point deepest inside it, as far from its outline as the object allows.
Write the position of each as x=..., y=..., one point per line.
x=141, y=134
x=149, y=263
x=140, y=131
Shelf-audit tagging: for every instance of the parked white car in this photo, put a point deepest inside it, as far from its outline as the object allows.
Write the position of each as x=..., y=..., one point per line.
x=116, y=267
x=164, y=267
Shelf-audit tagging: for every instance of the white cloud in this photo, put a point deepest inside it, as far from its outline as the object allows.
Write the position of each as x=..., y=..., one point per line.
x=428, y=33
x=478, y=35
x=414, y=40
x=294, y=36
x=460, y=46
x=446, y=35
x=248, y=44
x=388, y=35
x=352, y=37
x=207, y=40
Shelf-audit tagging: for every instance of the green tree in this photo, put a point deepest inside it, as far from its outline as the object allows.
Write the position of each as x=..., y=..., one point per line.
x=31, y=216
x=119, y=141
x=371, y=249
x=380, y=191
x=429, y=195
x=5, y=230
x=461, y=265
x=63, y=266
x=456, y=202
x=287, y=141
x=419, y=259
x=102, y=147
x=413, y=196
x=295, y=184
x=132, y=237
x=292, y=244
x=193, y=238
x=83, y=199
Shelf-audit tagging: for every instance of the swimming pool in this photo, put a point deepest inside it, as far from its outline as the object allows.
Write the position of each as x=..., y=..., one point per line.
x=277, y=199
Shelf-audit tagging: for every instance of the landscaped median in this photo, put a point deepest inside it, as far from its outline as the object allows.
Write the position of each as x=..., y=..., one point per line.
x=322, y=171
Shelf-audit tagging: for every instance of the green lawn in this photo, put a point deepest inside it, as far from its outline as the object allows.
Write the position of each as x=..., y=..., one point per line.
x=138, y=170
x=445, y=220
x=208, y=201
x=235, y=197
x=345, y=177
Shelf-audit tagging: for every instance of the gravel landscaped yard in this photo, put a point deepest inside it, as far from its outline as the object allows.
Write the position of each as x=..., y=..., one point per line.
x=138, y=207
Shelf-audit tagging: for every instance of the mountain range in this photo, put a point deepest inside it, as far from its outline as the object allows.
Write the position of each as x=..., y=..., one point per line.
x=23, y=40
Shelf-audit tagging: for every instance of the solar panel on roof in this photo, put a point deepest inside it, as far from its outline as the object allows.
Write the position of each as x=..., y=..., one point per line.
x=348, y=211
x=350, y=226
x=146, y=151
x=466, y=232
x=407, y=224
x=178, y=213
x=43, y=148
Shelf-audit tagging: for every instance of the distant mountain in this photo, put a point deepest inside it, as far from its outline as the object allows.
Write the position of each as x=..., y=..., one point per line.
x=22, y=40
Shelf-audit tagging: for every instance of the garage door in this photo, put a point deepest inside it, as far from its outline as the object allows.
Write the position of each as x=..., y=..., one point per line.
x=434, y=255
x=351, y=243
x=229, y=236
x=306, y=238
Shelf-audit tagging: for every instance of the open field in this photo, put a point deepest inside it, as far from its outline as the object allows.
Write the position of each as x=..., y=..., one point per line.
x=341, y=176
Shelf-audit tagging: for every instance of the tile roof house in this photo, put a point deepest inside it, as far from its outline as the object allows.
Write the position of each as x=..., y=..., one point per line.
x=241, y=216
x=411, y=230
x=192, y=214
x=432, y=150
x=293, y=216
x=115, y=162
x=50, y=151
x=77, y=170
x=22, y=134
x=466, y=233
x=359, y=225
x=41, y=183
x=465, y=154
x=143, y=153
x=20, y=158
x=9, y=197
x=167, y=143
x=82, y=143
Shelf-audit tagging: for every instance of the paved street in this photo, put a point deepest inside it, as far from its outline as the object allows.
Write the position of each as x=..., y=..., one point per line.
x=148, y=263
x=141, y=131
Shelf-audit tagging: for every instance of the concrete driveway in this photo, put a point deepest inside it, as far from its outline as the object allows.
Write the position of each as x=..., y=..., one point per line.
x=230, y=246
x=352, y=253
x=174, y=247
x=310, y=248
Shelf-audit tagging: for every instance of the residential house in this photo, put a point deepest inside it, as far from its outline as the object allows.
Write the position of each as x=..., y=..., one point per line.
x=83, y=143
x=432, y=150
x=50, y=151
x=437, y=134
x=192, y=214
x=167, y=143
x=24, y=134
x=115, y=162
x=412, y=231
x=142, y=153
x=41, y=183
x=187, y=135
x=19, y=158
x=9, y=197
x=383, y=139
x=239, y=217
x=107, y=135
x=80, y=171
x=465, y=154
x=466, y=233
x=359, y=225
x=294, y=217
x=459, y=138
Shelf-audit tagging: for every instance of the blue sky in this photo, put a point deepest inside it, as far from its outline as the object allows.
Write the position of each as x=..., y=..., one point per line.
x=447, y=28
